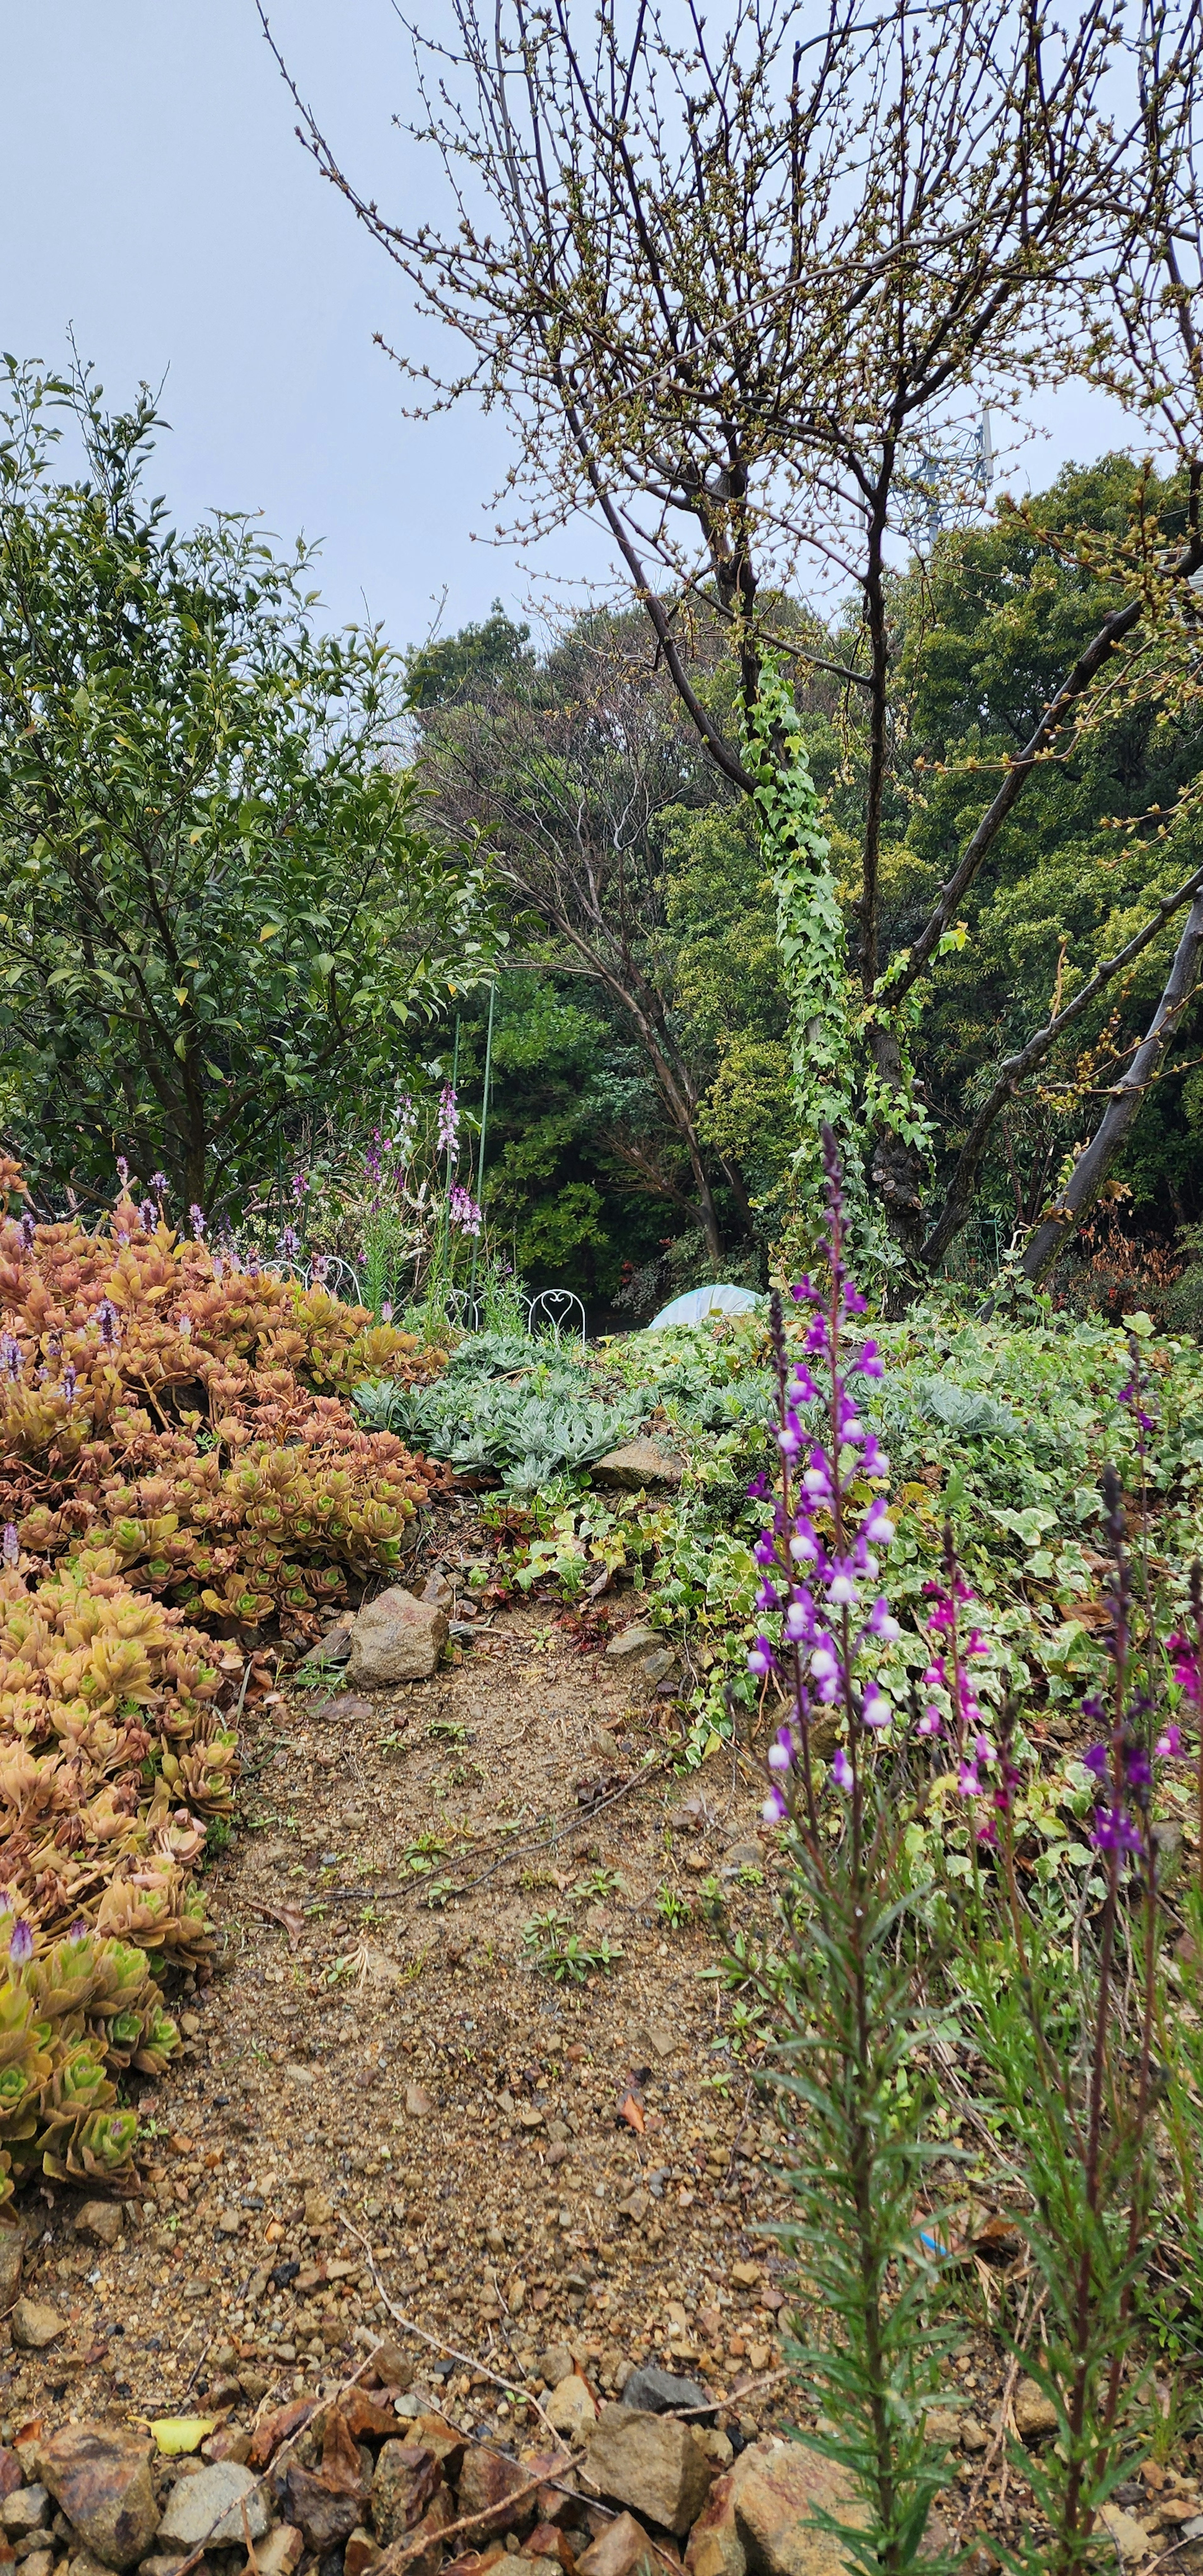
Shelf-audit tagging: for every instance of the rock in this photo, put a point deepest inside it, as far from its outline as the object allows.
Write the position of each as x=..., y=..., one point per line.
x=438, y=2436
x=326, y=2518
x=365, y=2419
x=636, y=1464
x=570, y=2408
x=973, y=2435
x=487, y=2480
x=716, y=2446
x=557, y=2364
x=741, y=1856
x=361, y=2552
x=101, y=2479
x=210, y=2507
x=745, y=2275
x=774, y=2494
x=650, y=2462
x=279, y=2552
x=35, y=2326
x=11, y=2471
x=101, y=2220
x=391, y=2365
x=12, y=2255
x=622, y=2549
x=942, y=2425
x=632, y=1641
x=396, y=1639
x=318, y=2210
x=38, y=2562
x=163, y=2562
x=659, y=2039
x=659, y=2392
x=427, y=2560
x=24, y=2509
x=715, y=2547
x=1130, y=2536
x=657, y=1667
x=84, y=2564
x=276, y=2428
x=407, y=2477
x=548, y=2541
x=418, y=2103
x=228, y=2443
x=1034, y=2412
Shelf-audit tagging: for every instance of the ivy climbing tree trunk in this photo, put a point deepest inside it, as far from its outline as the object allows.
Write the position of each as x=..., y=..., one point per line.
x=812, y=947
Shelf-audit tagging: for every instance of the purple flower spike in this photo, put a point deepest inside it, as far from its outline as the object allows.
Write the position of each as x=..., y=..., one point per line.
x=20, y=1948
x=841, y=1769
x=10, y=1545
x=760, y=1659
x=774, y=1809
x=1114, y=1831
x=1169, y=1747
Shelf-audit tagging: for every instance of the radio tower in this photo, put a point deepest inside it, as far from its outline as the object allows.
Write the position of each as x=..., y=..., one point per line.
x=950, y=483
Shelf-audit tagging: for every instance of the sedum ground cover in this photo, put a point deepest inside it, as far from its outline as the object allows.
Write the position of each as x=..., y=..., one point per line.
x=181, y=1481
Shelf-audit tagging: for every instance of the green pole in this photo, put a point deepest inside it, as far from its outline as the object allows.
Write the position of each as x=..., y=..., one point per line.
x=484, y=1128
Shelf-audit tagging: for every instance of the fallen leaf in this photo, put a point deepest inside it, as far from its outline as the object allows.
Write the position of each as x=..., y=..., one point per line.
x=175, y=2434
x=289, y=1917
x=632, y=2113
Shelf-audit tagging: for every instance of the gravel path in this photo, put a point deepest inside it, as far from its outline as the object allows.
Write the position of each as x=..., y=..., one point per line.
x=385, y=2101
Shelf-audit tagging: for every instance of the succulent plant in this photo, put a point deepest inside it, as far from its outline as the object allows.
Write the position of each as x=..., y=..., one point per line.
x=176, y=1454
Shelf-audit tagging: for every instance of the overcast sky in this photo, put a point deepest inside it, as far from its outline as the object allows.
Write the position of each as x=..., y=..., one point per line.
x=156, y=200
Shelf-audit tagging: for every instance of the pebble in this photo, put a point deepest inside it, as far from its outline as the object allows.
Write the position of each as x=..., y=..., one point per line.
x=1130, y=2536
x=556, y=2364
x=101, y=2220
x=570, y=2407
x=660, y=2392
x=34, y=2326
x=1034, y=2412
x=26, y=2509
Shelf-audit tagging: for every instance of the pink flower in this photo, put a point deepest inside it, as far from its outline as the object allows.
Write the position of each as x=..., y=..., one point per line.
x=841, y=1769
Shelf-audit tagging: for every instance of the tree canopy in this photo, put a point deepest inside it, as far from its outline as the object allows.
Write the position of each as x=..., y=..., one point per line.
x=215, y=901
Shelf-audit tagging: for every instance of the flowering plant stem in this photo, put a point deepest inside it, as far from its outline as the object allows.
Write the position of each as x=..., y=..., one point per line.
x=849, y=2060
x=1075, y=2087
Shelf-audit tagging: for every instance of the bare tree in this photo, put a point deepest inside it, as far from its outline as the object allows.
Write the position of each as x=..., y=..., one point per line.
x=723, y=286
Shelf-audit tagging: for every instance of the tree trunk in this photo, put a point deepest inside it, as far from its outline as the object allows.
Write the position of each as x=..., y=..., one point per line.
x=1095, y=1161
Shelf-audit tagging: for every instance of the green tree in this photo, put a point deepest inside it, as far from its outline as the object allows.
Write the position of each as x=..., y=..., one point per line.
x=641, y=874
x=215, y=908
